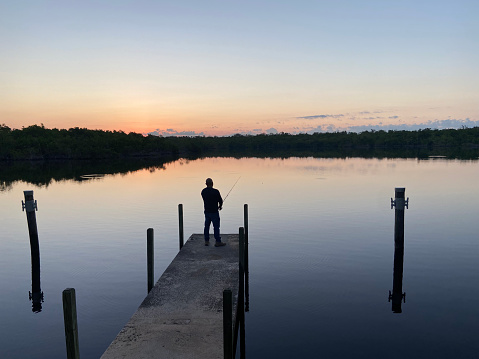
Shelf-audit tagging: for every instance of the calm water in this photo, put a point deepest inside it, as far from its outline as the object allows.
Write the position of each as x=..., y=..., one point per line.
x=321, y=254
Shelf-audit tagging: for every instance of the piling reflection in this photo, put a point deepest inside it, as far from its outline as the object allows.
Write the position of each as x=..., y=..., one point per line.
x=239, y=330
x=397, y=296
x=36, y=295
x=246, y=258
x=400, y=204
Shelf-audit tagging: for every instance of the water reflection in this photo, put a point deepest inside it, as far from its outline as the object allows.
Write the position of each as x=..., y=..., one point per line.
x=321, y=258
x=36, y=295
x=43, y=173
x=92, y=176
x=397, y=296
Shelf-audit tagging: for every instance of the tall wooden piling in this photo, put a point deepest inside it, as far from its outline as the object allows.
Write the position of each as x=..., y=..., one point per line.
x=180, y=220
x=246, y=258
x=400, y=203
x=30, y=206
x=228, y=324
x=150, y=252
x=241, y=306
x=71, y=325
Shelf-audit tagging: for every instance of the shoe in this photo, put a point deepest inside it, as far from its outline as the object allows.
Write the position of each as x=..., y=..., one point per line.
x=207, y=243
x=220, y=244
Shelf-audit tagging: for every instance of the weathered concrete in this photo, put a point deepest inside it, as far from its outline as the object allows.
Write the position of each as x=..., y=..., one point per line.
x=182, y=316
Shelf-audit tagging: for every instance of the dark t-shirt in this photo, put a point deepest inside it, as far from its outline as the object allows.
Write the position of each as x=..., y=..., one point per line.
x=212, y=199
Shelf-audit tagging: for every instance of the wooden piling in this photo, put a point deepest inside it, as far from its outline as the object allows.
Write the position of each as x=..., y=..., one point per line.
x=228, y=323
x=150, y=251
x=71, y=325
x=241, y=261
x=246, y=258
x=400, y=204
x=30, y=206
x=180, y=219
x=241, y=306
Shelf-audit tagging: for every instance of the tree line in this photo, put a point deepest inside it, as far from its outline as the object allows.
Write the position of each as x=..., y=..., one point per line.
x=39, y=143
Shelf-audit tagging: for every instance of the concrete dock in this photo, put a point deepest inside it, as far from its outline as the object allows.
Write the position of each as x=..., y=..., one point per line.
x=182, y=316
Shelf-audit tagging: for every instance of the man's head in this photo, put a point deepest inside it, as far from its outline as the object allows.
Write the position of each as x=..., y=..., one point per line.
x=209, y=182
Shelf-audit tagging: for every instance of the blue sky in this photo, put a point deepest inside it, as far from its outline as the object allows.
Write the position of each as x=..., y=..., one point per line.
x=218, y=67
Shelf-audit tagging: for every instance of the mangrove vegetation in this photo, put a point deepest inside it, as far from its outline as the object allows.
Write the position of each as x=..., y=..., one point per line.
x=40, y=143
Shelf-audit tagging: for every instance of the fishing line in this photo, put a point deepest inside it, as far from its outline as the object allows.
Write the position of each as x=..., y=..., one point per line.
x=231, y=189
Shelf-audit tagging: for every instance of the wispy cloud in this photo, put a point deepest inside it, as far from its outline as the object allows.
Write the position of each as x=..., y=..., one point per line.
x=169, y=132
x=334, y=125
x=437, y=124
x=314, y=117
x=256, y=131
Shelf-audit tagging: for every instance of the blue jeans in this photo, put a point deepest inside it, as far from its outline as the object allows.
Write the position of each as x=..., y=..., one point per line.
x=215, y=218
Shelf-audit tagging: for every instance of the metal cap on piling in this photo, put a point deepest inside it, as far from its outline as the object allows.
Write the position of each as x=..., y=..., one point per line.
x=399, y=202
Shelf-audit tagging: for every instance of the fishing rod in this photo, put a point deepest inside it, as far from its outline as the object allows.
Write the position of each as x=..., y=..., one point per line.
x=231, y=189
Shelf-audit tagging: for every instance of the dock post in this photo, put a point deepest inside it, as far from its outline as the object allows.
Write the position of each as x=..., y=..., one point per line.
x=150, y=251
x=241, y=263
x=246, y=258
x=228, y=323
x=241, y=291
x=71, y=325
x=399, y=203
x=180, y=219
x=30, y=205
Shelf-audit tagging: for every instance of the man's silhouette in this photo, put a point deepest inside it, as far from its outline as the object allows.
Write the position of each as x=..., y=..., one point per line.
x=213, y=202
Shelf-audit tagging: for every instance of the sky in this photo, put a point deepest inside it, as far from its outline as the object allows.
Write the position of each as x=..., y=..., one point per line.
x=189, y=67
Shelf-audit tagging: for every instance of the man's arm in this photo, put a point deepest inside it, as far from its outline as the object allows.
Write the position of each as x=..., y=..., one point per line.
x=220, y=201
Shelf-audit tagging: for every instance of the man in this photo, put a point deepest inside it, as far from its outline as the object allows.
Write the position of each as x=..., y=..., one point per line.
x=213, y=202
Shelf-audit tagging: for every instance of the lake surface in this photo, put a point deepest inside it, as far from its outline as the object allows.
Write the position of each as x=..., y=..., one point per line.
x=321, y=234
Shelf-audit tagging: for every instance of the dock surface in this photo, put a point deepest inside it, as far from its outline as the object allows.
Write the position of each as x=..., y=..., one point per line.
x=182, y=316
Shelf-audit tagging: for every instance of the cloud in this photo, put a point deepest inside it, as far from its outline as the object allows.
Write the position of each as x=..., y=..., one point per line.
x=173, y=133
x=314, y=117
x=437, y=124
x=312, y=127
x=321, y=128
x=257, y=131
